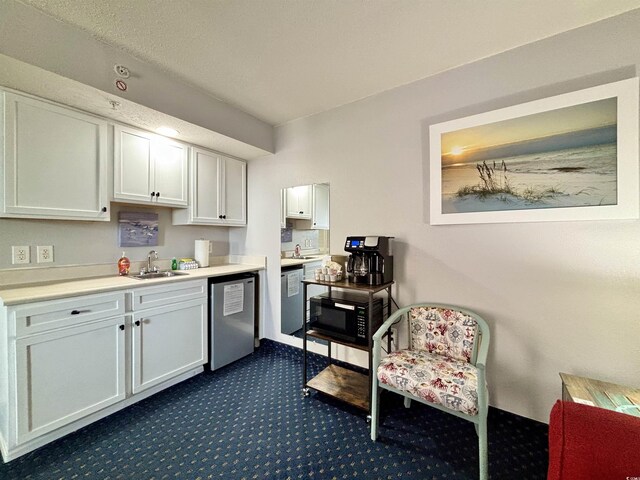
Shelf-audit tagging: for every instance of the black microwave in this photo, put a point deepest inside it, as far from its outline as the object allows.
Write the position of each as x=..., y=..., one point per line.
x=345, y=316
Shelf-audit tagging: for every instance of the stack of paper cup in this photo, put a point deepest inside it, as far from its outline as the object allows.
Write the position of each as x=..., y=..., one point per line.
x=202, y=253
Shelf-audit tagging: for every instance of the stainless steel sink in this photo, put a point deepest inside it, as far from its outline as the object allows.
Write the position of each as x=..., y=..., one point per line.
x=167, y=274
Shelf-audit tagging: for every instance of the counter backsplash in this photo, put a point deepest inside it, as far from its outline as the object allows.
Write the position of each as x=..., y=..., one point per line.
x=22, y=276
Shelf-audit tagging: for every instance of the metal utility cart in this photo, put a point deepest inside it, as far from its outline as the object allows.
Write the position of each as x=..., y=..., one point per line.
x=342, y=383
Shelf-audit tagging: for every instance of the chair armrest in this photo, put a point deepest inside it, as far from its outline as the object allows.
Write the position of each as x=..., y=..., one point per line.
x=481, y=357
x=377, y=337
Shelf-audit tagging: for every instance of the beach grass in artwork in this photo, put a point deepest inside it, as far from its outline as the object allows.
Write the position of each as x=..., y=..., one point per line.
x=138, y=229
x=565, y=157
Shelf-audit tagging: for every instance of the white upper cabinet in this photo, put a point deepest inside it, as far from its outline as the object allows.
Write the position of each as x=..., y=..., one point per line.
x=234, y=208
x=320, y=219
x=217, y=193
x=149, y=168
x=53, y=162
x=310, y=208
x=299, y=202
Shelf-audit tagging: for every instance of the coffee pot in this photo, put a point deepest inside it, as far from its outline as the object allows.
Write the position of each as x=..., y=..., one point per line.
x=371, y=259
x=360, y=268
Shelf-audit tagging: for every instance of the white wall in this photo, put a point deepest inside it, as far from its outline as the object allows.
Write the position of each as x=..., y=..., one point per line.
x=78, y=243
x=559, y=296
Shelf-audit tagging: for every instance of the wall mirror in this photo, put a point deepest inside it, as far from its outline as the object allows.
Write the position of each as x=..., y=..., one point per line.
x=304, y=240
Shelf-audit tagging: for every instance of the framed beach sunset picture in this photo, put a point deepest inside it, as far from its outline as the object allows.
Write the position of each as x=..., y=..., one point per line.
x=569, y=157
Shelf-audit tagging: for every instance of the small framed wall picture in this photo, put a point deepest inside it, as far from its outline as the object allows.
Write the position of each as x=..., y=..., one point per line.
x=137, y=229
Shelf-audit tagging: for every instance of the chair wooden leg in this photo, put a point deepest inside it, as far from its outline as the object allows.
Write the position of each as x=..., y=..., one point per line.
x=407, y=402
x=483, y=448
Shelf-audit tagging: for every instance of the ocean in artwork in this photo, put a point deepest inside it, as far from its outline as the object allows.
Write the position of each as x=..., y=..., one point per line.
x=138, y=229
x=556, y=159
x=577, y=177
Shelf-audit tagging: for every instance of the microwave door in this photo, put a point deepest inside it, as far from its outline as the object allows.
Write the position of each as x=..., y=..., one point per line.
x=335, y=320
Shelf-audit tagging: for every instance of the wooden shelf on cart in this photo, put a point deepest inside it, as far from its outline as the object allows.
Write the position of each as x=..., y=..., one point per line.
x=344, y=384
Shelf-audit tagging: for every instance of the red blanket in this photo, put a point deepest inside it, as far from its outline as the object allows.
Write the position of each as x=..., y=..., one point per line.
x=588, y=443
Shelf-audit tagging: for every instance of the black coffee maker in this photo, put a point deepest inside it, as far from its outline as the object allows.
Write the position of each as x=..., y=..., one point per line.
x=371, y=260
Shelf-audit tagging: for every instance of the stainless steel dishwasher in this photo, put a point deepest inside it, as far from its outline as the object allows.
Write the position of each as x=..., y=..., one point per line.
x=231, y=318
x=291, y=299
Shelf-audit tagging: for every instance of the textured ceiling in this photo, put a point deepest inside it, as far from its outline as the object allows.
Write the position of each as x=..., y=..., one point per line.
x=284, y=59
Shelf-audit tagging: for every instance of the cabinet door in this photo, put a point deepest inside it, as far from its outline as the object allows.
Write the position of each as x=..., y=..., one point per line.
x=169, y=172
x=320, y=207
x=205, y=182
x=235, y=191
x=67, y=374
x=299, y=202
x=167, y=341
x=132, y=165
x=55, y=161
x=218, y=193
x=149, y=168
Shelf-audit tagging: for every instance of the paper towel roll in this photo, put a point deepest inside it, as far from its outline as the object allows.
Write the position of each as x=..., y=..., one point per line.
x=202, y=253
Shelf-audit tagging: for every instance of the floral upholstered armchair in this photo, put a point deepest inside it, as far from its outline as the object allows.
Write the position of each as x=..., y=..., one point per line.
x=444, y=366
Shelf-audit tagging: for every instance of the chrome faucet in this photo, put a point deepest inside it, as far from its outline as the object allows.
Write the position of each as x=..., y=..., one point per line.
x=150, y=261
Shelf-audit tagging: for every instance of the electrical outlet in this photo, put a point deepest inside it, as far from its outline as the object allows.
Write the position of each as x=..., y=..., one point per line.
x=45, y=254
x=20, y=254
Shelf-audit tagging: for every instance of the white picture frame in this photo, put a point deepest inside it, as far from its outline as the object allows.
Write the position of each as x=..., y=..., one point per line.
x=549, y=166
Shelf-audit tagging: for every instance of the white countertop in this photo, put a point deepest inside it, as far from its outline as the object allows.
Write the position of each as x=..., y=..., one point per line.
x=290, y=262
x=69, y=288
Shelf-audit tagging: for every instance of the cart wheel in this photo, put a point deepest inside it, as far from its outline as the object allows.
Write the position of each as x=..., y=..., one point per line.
x=368, y=418
x=305, y=392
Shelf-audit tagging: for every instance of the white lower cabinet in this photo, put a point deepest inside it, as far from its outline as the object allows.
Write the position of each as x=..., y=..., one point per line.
x=66, y=363
x=167, y=341
x=67, y=374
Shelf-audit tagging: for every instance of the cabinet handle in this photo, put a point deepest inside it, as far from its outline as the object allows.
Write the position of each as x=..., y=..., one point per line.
x=104, y=209
x=301, y=213
x=121, y=327
x=153, y=194
x=78, y=312
x=220, y=216
x=137, y=323
x=157, y=194
x=224, y=216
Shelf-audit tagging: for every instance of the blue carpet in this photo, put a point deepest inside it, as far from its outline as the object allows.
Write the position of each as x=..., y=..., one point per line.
x=250, y=421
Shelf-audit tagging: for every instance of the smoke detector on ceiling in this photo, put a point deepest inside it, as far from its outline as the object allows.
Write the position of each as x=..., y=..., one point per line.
x=122, y=71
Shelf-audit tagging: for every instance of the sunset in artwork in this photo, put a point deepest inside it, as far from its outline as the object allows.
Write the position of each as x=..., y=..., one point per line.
x=565, y=157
